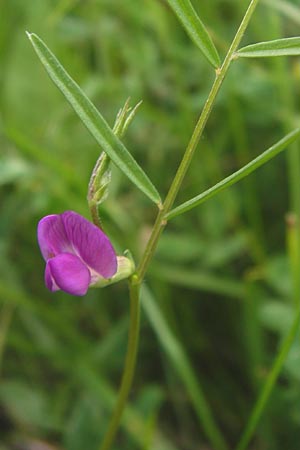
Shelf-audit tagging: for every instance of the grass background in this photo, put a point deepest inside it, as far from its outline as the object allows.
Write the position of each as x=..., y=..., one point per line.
x=221, y=281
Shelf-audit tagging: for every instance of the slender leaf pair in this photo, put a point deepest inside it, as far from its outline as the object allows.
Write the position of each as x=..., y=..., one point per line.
x=236, y=176
x=93, y=120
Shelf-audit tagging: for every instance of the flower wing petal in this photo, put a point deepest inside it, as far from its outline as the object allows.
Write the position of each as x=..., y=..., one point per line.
x=68, y=273
x=91, y=244
x=49, y=281
x=52, y=237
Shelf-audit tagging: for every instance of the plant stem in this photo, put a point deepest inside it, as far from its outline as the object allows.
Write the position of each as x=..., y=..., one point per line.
x=133, y=338
x=269, y=385
x=158, y=227
x=192, y=145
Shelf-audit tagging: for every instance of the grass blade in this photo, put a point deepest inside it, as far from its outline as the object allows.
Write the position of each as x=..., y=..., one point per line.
x=93, y=120
x=178, y=358
x=197, y=280
x=236, y=176
x=286, y=8
x=278, y=47
x=195, y=29
x=268, y=387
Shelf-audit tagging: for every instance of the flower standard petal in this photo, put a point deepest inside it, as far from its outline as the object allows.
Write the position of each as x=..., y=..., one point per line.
x=52, y=237
x=68, y=273
x=90, y=243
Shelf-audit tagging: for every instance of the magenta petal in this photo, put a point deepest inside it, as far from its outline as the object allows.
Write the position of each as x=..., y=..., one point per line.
x=67, y=272
x=91, y=244
x=49, y=281
x=52, y=236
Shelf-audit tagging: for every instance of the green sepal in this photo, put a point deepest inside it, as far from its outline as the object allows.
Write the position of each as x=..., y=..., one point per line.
x=126, y=268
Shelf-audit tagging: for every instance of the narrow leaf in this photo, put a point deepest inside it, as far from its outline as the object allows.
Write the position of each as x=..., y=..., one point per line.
x=93, y=120
x=236, y=176
x=278, y=47
x=195, y=29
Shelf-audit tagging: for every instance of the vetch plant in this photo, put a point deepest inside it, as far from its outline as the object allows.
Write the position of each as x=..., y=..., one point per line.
x=74, y=262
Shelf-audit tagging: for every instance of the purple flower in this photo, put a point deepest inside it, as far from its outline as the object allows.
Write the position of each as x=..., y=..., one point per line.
x=77, y=253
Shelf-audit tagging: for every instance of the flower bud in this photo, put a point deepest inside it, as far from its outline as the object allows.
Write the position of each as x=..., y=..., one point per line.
x=100, y=179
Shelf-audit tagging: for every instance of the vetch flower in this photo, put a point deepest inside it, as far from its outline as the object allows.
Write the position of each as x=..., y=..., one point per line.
x=77, y=253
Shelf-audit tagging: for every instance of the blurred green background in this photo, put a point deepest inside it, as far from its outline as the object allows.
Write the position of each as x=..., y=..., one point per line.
x=220, y=289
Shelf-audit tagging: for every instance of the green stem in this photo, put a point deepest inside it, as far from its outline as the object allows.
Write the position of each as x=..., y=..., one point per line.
x=133, y=338
x=192, y=145
x=269, y=385
x=158, y=227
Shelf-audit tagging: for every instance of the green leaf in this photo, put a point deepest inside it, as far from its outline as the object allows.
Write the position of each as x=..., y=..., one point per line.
x=195, y=29
x=278, y=47
x=236, y=176
x=93, y=120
